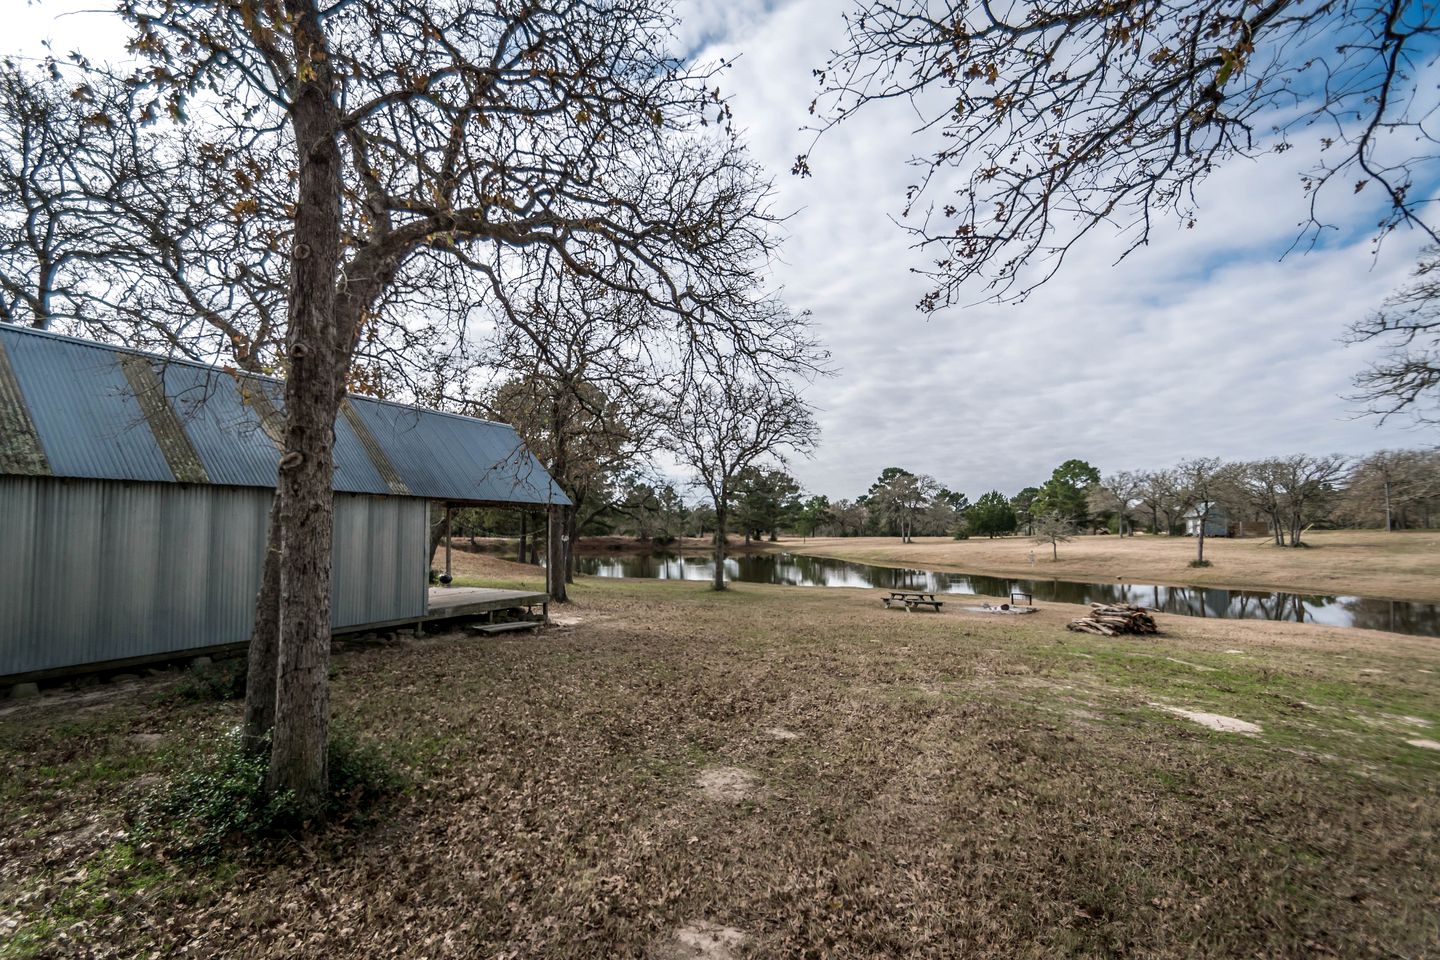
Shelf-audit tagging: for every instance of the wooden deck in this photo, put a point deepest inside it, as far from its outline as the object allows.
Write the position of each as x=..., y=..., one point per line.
x=450, y=603
x=467, y=601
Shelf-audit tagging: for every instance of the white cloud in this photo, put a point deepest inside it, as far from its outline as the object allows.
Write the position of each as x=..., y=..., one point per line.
x=1204, y=342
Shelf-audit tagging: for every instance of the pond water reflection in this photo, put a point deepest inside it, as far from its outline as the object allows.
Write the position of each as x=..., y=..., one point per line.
x=1400, y=616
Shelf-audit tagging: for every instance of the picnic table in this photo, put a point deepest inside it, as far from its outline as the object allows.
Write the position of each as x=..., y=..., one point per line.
x=910, y=599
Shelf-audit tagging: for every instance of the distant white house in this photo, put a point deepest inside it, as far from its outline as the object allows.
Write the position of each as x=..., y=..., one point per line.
x=1217, y=524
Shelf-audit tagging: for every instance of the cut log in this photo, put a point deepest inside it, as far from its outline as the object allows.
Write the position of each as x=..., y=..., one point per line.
x=1111, y=620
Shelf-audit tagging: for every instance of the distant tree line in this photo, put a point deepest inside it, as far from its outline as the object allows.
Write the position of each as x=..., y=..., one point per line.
x=1277, y=497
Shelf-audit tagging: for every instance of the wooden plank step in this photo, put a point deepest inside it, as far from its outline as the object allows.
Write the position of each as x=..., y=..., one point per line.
x=488, y=628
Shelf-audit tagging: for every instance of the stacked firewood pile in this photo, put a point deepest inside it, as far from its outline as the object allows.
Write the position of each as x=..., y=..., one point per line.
x=1111, y=620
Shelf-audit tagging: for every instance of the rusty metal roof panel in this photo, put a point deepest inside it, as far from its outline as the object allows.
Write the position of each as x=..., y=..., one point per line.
x=89, y=421
x=442, y=456
x=355, y=468
x=224, y=427
x=96, y=415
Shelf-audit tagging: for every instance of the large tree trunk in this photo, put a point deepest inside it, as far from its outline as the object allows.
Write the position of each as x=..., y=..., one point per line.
x=437, y=531
x=264, y=646
x=313, y=391
x=555, y=557
x=1200, y=541
x=719, y=582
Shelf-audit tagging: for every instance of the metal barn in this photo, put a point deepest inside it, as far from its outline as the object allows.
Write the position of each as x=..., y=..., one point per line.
x=135, y=492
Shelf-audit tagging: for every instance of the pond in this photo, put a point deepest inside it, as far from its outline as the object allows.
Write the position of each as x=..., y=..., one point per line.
x=1400, y=616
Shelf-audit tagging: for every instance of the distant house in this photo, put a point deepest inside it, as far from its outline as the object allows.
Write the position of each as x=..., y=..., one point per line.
x=1217, y=523
x=135, y=495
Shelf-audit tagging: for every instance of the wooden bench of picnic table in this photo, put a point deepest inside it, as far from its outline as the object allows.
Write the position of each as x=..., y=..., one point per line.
x=910, y=600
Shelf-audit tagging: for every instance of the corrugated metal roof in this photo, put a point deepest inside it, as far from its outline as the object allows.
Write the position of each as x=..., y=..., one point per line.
x=90, y=424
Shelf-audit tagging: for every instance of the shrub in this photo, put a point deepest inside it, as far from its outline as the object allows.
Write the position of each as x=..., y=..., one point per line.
x=216, y=804
x=219, y=803
x=1200, y=563
x=361, y=775
x=223, y=680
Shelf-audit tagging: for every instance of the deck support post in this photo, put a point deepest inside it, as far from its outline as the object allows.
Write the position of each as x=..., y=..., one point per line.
x=449, y=535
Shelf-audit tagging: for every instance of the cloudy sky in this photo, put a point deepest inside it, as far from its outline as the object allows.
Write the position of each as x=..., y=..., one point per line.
x=1206, y=342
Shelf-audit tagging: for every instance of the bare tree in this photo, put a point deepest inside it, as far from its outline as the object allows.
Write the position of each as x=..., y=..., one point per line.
x=117, y=230
x=1054, y=529
x=581, y=435
x=593, y=367
x=721, y=426
x=1308, y=483
x=415, y=133
x=1392, y=489
x=900, y=498
x=1118, y=492
x=1261, y=484
x=1162, y=495
x=1407, y=379
x=1059, y=116
x=850, y=517
x=1202, y=482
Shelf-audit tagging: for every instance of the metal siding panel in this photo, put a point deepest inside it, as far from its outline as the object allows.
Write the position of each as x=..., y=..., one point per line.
x=111, y=570
x=349, y=546
x=239, y=534
x=18, y=570
x=134, y=567
x=84, y=409
x=96, y=570
x=412, y=546
x=378, y=564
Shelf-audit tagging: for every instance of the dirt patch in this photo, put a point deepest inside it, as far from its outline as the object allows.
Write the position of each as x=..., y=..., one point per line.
x=84, y=698
x=1407, y=719
x=1193, y=666
x=1214, y=721
x=780, y=733
x=1424, y=744
x=699, y=940
x=730, y=784
x=1004, y=612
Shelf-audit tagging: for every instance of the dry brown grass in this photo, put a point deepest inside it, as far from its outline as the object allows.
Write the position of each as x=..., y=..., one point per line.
x=957, y=786
x=1404, y=565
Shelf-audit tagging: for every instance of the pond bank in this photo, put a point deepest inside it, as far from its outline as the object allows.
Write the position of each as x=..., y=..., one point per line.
x=792, y=569
x=1403, y=565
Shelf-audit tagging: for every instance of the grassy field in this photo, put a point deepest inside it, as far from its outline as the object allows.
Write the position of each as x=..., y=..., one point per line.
x=781, y=772
x=1404, y=565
